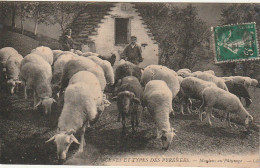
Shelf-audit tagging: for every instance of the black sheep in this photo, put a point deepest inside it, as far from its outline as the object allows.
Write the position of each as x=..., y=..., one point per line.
x=240, y=91
x=129, y=94
x=127, y=69
x=111, y=59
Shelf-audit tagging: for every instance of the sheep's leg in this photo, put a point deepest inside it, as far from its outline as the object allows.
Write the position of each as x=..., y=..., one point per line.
x=82, y=140
x=181, y=107
x=157, y=133
x=188, y=104
x=228, y=119
x=123, y=123
x=138, y=117
x=25, y=92
x=209, y=109
x=34, y=100
x=133, y=122
x=119, y=116
x=211, y=114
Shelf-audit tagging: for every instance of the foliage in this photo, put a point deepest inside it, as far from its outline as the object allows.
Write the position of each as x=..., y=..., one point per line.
x=242, y=13
x=64, y=13
x=182, y=36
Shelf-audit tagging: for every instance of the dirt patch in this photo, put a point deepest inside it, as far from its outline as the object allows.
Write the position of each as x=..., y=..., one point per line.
x=24, y=132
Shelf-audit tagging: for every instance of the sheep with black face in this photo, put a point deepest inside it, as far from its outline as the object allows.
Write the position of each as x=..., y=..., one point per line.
x=129, y=93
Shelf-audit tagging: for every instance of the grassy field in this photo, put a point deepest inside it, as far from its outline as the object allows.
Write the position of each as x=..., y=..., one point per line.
x=24, y=132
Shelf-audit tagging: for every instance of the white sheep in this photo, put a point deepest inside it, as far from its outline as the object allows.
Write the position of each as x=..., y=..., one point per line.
x=158, y=100
x=214, y=97
x=254, y=83
x=87, y=54
x=183, y=70
x=244, y=80
x=45, y=52
x=106, y=66
x=192, y=87
x=58, y=53
x=159, y=72
x=180, y=79
x=80, y=107
x=212, y=78
x=210, y=72
x=37, y=76
x=58, y=67
x=5, y=53
x=184, y=73
x=81, y=64
x=13, y=71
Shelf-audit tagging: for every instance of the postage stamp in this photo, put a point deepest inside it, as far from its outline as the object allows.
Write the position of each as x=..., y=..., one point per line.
x=236, y=43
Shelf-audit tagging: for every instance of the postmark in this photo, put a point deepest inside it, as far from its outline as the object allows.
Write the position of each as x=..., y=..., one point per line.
x=236, y=43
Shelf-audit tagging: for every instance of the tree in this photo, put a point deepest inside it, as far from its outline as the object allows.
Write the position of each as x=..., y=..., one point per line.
x=23, y=12
x=39, y=12
x=64, y=13
x=8, y=9
x=183, y=38
x=242, y=13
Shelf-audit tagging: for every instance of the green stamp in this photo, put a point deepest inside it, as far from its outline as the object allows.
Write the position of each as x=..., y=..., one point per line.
x=236, y=43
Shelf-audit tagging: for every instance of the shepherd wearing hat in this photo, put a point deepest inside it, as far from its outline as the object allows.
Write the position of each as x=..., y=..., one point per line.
x=132, y=52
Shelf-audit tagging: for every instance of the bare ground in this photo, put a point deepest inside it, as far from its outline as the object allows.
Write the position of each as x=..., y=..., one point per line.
x=24, y=132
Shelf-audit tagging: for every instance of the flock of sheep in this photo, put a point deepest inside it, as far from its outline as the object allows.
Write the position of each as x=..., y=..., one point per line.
x=78, y=82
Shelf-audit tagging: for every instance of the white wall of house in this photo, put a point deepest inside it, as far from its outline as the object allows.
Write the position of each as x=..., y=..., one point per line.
x=105, y=38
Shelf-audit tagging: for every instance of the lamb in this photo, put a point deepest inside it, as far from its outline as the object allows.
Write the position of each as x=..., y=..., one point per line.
x=158, y=100
x=214, y=97
x=239, y=90
x=12, y=71
x=81, y=64
x=211, y=78
x=127, y=68
x=192, y=87
x=45, y=52
x=80, y=107
x=159, y=72
x=38, y=77
x=107, y=68
x=5, y=53
x=129, y=94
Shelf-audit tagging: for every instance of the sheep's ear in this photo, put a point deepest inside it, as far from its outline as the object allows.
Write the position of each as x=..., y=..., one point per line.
x=173, y=130
x=136, y=100
x=18, y=82
x=73, y=139
x=53, y=100
x=51, y=139
x=114, y=98
x=70, y=132
x=39, y=103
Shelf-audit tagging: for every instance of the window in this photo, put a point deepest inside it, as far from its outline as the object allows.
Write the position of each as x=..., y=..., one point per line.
x=122, y=31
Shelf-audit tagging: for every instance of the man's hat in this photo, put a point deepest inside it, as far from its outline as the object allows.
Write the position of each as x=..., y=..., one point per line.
x=133, y=37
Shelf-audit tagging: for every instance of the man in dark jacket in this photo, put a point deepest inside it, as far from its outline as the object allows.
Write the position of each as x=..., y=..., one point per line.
x=132, y=52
